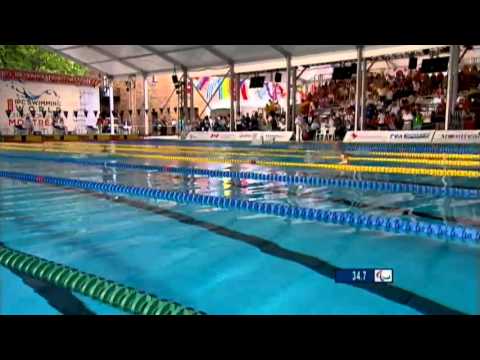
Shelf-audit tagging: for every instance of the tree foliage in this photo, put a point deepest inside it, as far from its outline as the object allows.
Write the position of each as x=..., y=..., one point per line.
x=34, y=58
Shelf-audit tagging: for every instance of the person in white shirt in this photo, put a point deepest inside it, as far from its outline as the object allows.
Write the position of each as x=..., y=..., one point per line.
x=395, y=109
x=381, y=118
x=331, y=121
x=299, y=120
x=299, y=126
x=407, y=118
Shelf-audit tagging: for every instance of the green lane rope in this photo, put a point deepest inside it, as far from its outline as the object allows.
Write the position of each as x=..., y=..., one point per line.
x=109, y=292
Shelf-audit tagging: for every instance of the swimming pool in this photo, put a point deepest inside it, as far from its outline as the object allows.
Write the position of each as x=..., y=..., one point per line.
x=224, y=260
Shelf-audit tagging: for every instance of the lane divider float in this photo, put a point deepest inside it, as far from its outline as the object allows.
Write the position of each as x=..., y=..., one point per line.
x=156, y=147
x=436, y=162
x=106, y=291
x=334, y=167
x=360, y=220
x=415, y=148
x=427, y=155
x=314, y=181
x=254, y=154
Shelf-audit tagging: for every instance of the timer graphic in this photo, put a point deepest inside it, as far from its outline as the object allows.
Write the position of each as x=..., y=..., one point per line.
x=365, y=276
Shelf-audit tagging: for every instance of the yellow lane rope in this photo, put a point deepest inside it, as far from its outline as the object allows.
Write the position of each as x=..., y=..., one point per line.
x=426, y=155
x=170, y=151
x=253, y=154
x=187, y=148
x=209, y=151
x=441, y=162
x=337, y=167
x=256, y=152
x=173, y=151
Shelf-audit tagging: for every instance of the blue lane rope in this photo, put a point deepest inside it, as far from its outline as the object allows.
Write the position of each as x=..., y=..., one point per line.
x=429, y=148
x=458, y=233
x=362, y=185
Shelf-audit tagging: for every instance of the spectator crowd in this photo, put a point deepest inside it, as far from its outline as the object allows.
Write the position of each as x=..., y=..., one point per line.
x=405, y=100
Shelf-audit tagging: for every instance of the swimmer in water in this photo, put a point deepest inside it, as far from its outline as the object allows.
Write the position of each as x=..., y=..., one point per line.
x=344, y=159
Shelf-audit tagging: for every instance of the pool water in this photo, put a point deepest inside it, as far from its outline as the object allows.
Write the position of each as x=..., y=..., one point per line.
x=227, y=261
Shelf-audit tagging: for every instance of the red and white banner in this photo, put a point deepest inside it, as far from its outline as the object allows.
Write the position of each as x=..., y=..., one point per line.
x=421, y=136
x=277, y=136
x=21, y=75
x=412, y=136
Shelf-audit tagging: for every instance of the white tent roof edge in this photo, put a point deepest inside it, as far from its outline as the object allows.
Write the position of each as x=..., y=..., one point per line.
x=251, y=66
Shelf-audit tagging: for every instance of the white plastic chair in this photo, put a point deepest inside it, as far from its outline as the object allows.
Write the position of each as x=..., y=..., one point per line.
x=331, y=132
x=323, y=131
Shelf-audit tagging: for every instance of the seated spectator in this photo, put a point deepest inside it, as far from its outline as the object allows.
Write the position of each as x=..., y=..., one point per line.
x=349, y=117
x=282, y=124
x=248, y=121
x=241, y=125
x=254, y=123
x=100, y=123
x=418, y=121
x=216, y=123
x=398, y=121
x=221, y=123
x=390, y=122
x=381, y=119
x=205, y=124
x=312, y=130
x=407, y=117
x=157, y=126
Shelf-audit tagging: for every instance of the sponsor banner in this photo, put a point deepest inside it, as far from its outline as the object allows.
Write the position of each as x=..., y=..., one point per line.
x=457, y=137
x=39, y=101
x=412, y=136
x=277, y=136
x=421, y=136
x=365, y=137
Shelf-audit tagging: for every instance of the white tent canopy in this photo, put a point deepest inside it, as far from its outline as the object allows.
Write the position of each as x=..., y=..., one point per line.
x=123, y=60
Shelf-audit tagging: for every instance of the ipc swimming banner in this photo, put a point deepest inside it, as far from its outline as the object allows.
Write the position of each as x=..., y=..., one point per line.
x=39, y=100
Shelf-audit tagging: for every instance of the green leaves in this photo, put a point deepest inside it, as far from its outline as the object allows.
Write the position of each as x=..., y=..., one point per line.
x=34, y=58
